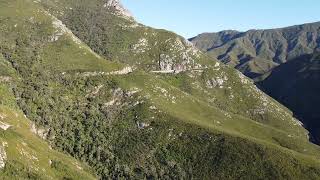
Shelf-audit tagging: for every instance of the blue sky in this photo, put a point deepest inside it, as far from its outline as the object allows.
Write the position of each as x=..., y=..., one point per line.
x=191, y=17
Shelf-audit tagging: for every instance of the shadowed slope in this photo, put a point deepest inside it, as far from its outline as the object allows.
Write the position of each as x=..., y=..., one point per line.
x=296, y=85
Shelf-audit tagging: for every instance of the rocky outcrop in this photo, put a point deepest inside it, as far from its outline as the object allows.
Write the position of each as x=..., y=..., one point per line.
x=118, y=8
x=141, y=47
x=3, y=155
x=165, y=62
x=4, y=126
x=5, y=78
x=216, y=82
x=41, y=132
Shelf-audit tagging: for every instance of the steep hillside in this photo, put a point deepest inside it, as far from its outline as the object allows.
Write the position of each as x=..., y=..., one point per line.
x=256, y=52
x=296, y=85
x=167, y=56
x=23, y=154
x=283, y=54
x=135, y=102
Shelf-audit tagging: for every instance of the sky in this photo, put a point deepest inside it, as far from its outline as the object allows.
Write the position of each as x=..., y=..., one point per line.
x=192, y=17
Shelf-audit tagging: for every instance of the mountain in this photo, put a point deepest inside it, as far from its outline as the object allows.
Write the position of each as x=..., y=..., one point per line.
x=288, y=55
x=296, y=85
x=135, y=102
x=256, y=52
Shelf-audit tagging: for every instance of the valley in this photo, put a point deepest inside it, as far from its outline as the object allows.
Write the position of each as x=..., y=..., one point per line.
x=87, y=92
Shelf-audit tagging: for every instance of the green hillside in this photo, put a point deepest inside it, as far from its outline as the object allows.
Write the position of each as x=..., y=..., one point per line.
x=134, y=102
x=23, y=154
x=281, y=61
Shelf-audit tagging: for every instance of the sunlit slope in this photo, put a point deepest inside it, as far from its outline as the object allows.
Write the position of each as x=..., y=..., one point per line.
x=127, y=121
x=27, y=156
x=23, y=154
x=121, y=38
x=257, y=52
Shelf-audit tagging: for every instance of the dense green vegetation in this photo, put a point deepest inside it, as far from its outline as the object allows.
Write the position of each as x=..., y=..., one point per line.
x=25, y=155
x=141, y=124
x=29, y=157
x=100, y=29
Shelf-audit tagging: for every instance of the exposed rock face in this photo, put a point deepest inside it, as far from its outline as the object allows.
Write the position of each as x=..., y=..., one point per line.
x=214, y=82
x=182, y=57
x=3, y=155
x=142, y=125
x=165, y=62
x=168, y=65
x=42, y=133
x=5, y=78
x=141, y=46
x=119, y=8
x=4, y=126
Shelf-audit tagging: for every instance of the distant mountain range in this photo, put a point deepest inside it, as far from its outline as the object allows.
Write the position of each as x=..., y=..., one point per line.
x=284, y=62
x=257, y=52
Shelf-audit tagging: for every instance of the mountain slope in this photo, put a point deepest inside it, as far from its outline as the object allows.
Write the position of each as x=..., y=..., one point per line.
x=158, y=110
x=256, y=52
x=23, y=154
x=167, y=55
x=295, y=84
x=283, y=54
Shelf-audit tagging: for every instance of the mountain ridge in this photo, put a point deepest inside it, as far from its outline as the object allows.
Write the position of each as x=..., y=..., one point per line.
x=271, y=46
x=93, y=89
x=259, y=29
x=299, y=49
